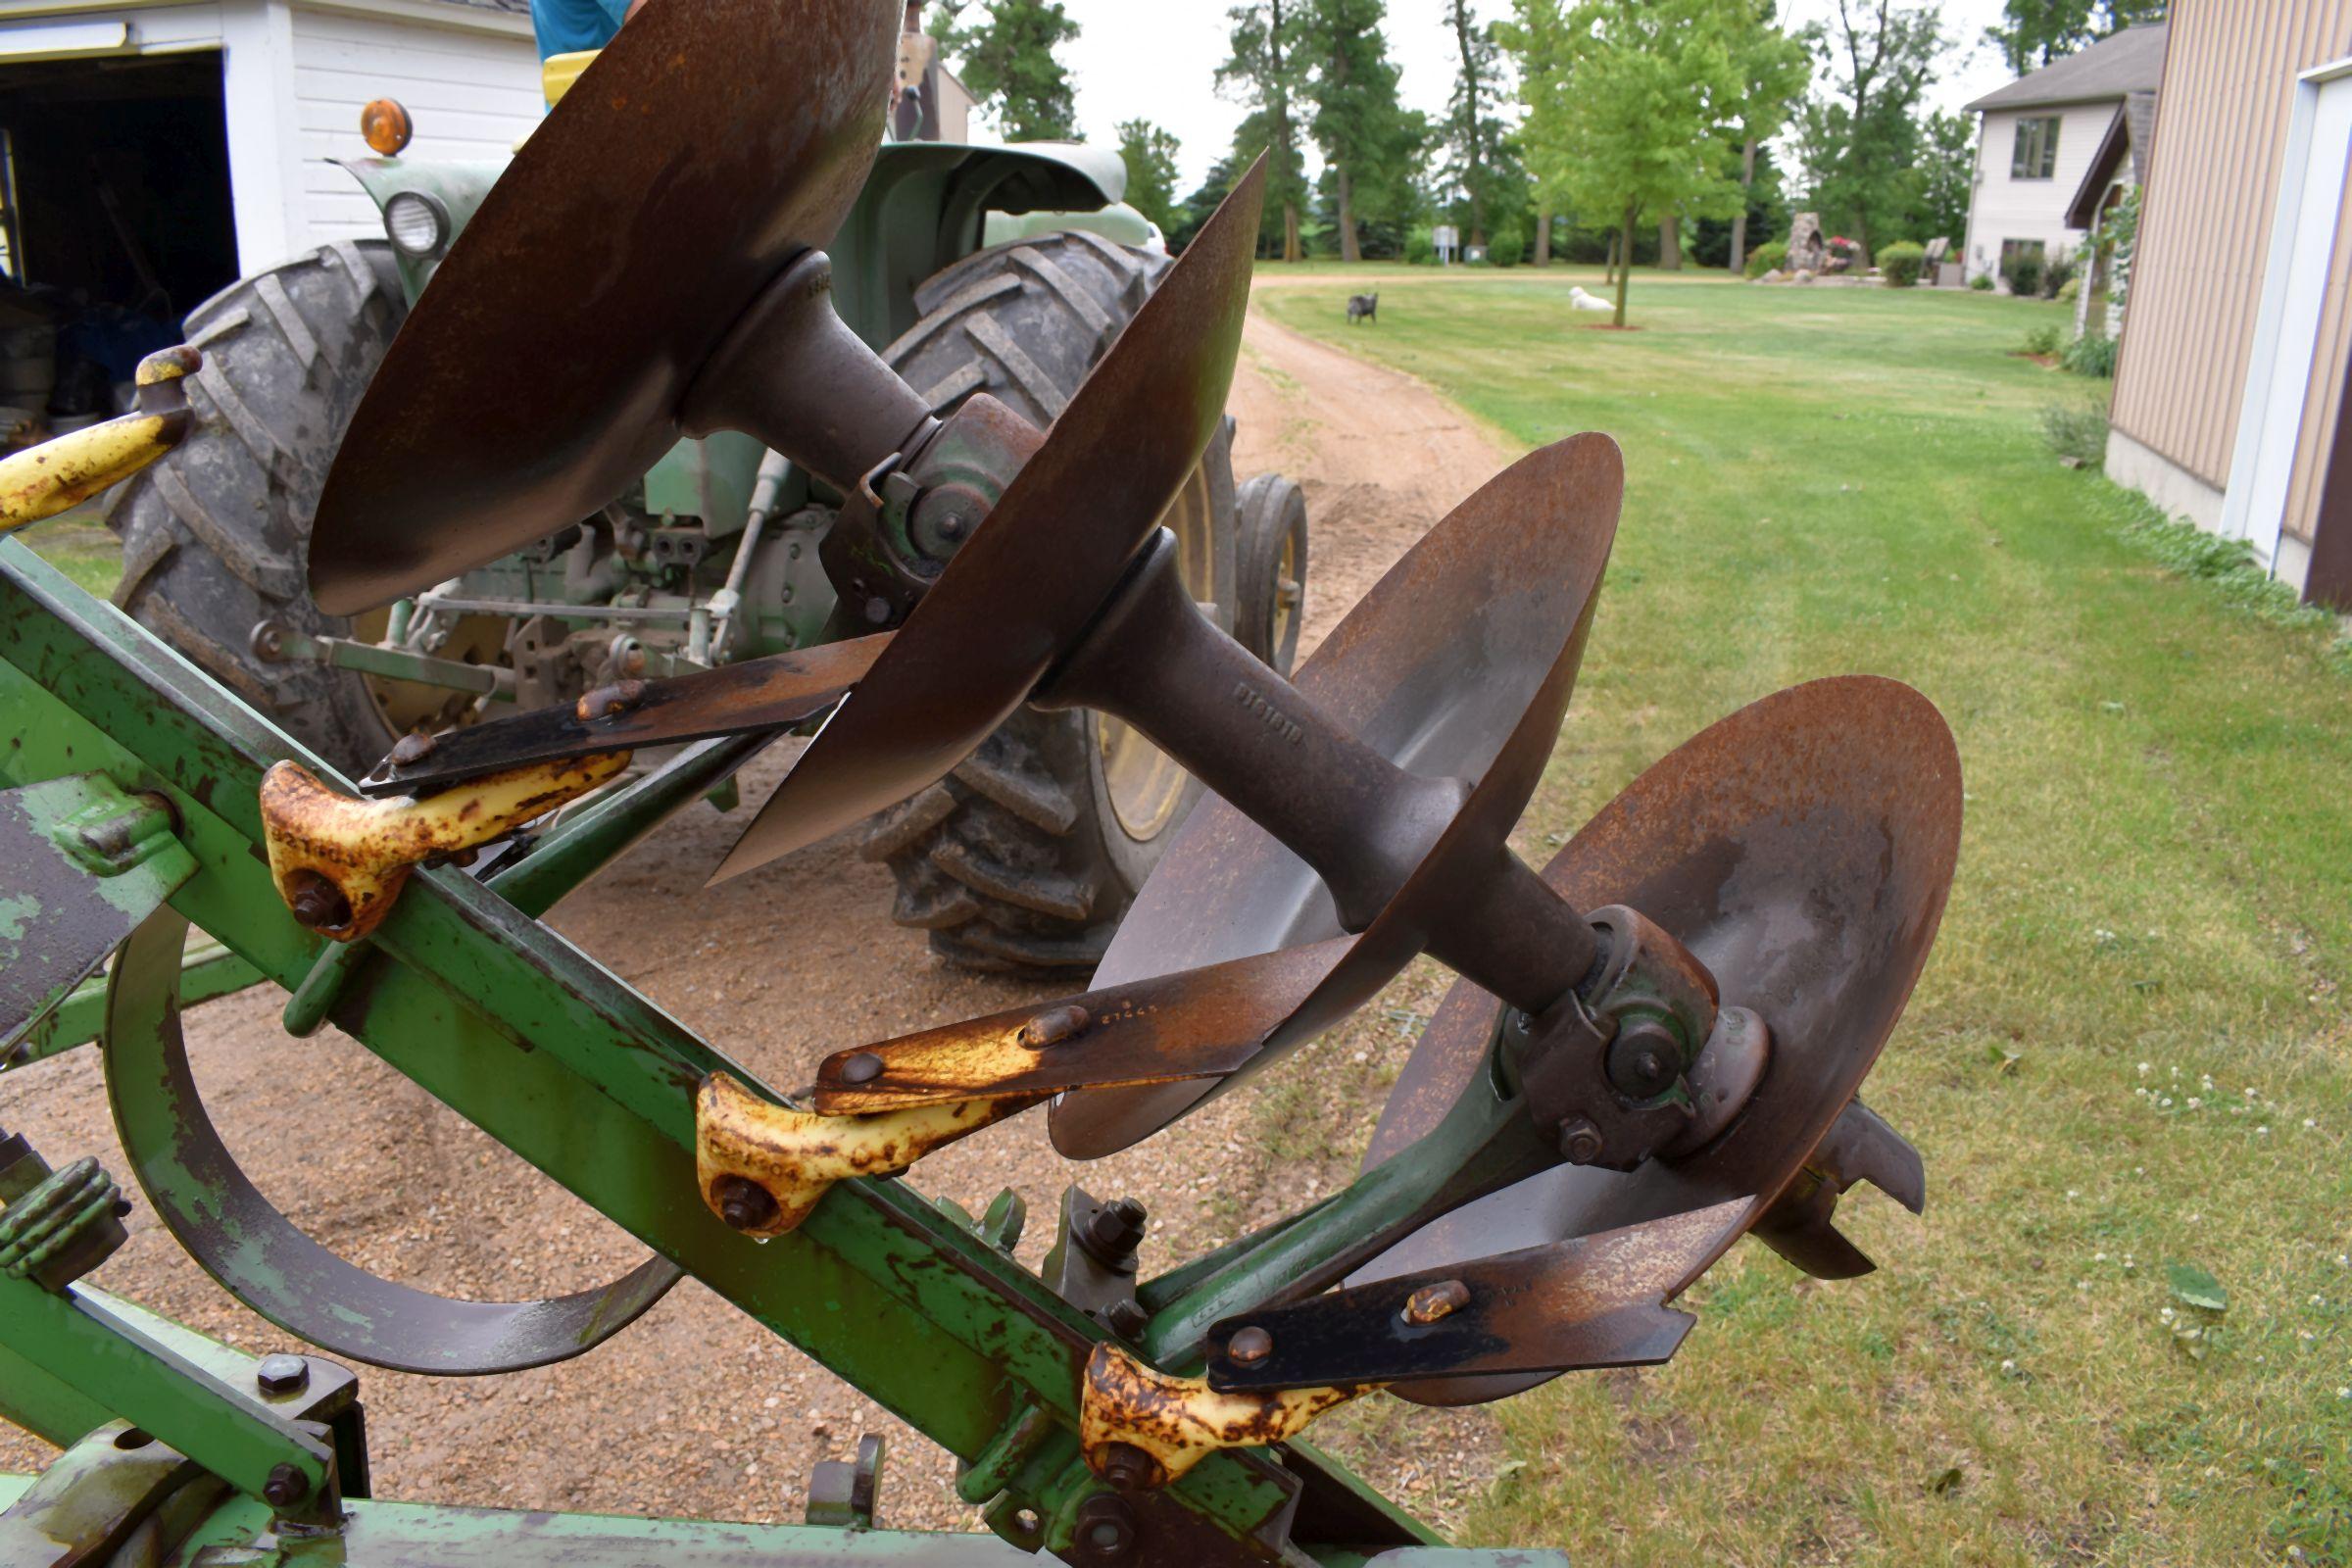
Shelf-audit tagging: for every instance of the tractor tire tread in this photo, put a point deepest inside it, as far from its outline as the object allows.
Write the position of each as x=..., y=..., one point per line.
x=214, y=534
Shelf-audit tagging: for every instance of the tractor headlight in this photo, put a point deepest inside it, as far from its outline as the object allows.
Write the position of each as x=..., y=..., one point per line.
x=417, y=225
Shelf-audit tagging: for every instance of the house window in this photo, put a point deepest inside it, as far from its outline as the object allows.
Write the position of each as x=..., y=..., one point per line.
x=2015, y=250
x=2035, y=155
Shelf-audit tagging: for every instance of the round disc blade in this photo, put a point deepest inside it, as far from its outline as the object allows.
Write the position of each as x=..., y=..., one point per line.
x=1803, y=848
x=1023, y=587
x=1459, y=662
x=709, y=144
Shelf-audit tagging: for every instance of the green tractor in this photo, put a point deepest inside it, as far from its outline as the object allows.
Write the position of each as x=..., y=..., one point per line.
x=999, y=268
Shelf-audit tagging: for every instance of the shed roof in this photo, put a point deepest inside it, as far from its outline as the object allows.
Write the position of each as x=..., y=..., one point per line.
x=2132, y=60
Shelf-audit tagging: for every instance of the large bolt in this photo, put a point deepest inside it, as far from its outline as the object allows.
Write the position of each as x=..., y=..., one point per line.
x=1052, y=1026
x=1580, y=1141
x=410, y=749
x=318, y=903
x=1127, y=1319
x=862, y=1067
x=877, y=610
x=1644, y=1059
x=1433, y=1301
x=1127, y=1467
x=1117, y=1228
x=285, y=1487
x=744, y=1204
x=282, y=1373
x=1249, y=1346
x=1105, y=1532
x=606, y=701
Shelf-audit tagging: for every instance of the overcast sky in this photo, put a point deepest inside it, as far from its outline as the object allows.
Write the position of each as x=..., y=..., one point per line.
x=1159, y=62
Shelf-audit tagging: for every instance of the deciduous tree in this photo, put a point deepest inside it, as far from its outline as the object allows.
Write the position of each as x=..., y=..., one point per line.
x=1371, y=144
x=1479, y=162
x=1149, y=154
x=1630, y=105
x=1265, y=71
x=1861, y=139
x=1005, y=56
x=2033, y=32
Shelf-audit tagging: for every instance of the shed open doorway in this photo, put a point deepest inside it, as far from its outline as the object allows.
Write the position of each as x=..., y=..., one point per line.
x=116, y=220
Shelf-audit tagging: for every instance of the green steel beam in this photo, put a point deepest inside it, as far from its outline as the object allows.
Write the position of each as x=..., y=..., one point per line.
x=85, y=1343
x=882, y=1286
x=211, y=970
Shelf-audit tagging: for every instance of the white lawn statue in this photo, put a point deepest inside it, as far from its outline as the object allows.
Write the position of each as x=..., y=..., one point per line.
x=1580, y=300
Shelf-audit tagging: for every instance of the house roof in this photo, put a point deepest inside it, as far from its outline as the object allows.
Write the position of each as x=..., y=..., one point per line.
x=2132, y=60
x=2128, y=135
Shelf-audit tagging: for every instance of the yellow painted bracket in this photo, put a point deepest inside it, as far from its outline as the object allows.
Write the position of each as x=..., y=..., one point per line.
x=1140, y=1427
x=58, y=476
x=339, y=861
x=763, y=1167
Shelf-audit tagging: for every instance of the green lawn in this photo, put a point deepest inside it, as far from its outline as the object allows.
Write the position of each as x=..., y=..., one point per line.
x=2130, y=1049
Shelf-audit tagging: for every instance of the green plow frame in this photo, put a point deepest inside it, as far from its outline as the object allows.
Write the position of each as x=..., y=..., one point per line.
x=465, y=992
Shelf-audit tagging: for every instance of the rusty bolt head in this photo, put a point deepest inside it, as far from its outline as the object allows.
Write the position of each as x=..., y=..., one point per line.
x=282, y=1373
x=285, y=1487
x=317, y=903
x=606, y=701
x=269, y=641
x=1580, y=1141
x=877, y=610
x=744, y=1204
x=1249, y=1346
x=1127, y=1319
x=410, y=749
x=1106, y=1530
x=860, y=1067
x=1644, y=1059
x=1127, y=1467
x=1116, y=1229
x=1052, y=1026
x=1433, y=1301
x=952, y=525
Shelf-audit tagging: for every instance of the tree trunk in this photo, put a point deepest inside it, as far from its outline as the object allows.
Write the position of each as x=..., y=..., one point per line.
x=1542, y=233
x=1747, y=181
x=1292, y=250
x=1349, y=249
x=1608, y=265
x=1625, y=252
x=1670, y=244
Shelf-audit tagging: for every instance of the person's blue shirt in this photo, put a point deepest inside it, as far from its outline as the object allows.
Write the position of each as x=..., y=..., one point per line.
x=567, y=25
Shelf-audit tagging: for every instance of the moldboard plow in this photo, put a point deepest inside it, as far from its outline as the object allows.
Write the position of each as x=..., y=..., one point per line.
x=1655, y=1047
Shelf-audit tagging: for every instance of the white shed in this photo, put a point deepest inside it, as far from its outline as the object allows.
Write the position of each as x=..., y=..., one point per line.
x=161, y=148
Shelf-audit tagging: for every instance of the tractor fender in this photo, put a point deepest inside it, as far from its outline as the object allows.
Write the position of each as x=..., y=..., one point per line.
x=457, y=187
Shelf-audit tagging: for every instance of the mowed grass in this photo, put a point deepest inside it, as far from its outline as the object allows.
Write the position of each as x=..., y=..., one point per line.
x=2131, y=1047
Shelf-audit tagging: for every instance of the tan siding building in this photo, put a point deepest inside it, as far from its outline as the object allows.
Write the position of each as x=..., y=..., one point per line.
x=2238, y=334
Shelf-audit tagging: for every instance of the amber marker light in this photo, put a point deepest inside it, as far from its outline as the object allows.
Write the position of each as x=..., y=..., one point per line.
x=387, y=126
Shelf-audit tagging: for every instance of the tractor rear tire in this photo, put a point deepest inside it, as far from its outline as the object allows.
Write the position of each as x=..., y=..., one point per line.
x=216, y=536
x=1028, y=854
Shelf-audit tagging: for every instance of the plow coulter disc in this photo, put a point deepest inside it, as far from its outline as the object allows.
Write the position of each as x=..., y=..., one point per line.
x=1803, y=848
x=709, y=144
x=1025, y=587
x=1458, y=663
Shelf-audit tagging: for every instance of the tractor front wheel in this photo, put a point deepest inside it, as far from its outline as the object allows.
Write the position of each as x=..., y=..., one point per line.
x=1028, y=854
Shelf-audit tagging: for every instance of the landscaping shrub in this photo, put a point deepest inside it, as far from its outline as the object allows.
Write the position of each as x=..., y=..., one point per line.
x=2091, y=355
x=1982, y=282
x=2058, y=272
x=1506, y=246
x=2076, y=430
x=1419, y=249
x=2042, y=341
x=2024, y=275
x=2069, y=288
x=1900, y=263
x=1764, y=258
